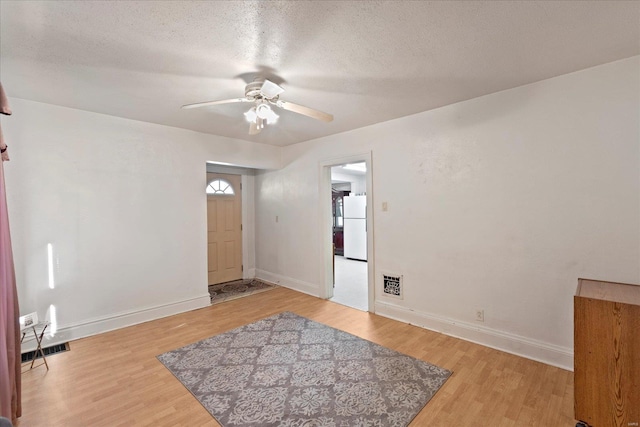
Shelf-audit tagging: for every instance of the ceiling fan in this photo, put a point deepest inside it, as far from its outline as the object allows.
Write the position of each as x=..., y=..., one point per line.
x=264, y=94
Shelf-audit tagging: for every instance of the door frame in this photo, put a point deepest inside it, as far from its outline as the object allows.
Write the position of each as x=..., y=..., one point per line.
x=326, y=225
x=248, y=211
x=239, y=180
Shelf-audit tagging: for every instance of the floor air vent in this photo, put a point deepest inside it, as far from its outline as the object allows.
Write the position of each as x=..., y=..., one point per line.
x=392, y=285
x=59, y=348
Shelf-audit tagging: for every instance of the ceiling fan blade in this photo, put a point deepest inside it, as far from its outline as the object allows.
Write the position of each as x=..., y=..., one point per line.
x=310, y=112
x=207, y=103
x=270, y=90
x=254, y=129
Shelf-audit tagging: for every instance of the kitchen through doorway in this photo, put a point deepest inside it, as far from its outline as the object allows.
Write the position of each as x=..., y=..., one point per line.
x=349, y=218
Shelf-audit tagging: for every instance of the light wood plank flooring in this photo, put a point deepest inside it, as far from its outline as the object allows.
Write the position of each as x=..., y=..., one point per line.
x=114, y=379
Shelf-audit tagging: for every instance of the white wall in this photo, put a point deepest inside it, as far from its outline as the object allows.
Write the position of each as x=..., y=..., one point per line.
x=124, y=206
x=499, y=203
x=358, y=182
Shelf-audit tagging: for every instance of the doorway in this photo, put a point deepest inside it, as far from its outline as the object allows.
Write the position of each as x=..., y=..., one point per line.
x=348, y=190
x=224, y=228
x=348, y=231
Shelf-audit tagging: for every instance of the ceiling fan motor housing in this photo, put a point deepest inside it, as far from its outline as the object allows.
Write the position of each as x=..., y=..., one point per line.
x=252, y=90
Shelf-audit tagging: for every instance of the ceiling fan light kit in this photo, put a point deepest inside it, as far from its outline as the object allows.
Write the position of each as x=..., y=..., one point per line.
x=265, y=94
x=258, y=116
x=265, y=112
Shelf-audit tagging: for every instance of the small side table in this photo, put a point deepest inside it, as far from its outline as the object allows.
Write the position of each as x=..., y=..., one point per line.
x=38, y=332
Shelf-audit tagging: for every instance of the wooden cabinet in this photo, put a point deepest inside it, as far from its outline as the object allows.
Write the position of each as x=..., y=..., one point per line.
x=337, y=206
x=607, y=354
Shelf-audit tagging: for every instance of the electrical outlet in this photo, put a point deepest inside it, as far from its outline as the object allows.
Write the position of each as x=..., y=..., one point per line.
x=479, y=315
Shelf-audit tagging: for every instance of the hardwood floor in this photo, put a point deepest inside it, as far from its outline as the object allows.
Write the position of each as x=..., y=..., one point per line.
x=114, y=379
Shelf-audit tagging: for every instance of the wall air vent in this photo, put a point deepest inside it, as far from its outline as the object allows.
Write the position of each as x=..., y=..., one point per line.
x=392, y=285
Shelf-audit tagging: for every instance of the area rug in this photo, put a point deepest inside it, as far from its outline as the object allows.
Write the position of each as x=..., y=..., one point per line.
x=238, y=289
x=289, y=371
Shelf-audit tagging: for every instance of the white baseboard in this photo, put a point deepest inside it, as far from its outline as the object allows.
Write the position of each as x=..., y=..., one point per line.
x=249, y=273
x=288, y=282
x=550, y=354
x=99, y=325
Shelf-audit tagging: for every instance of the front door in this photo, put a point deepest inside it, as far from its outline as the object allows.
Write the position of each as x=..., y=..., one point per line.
x=224, y=227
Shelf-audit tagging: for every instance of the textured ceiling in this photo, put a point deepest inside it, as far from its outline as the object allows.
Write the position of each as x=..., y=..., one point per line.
x=364, y=62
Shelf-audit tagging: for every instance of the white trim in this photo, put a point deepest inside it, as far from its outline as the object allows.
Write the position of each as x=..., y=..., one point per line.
x=248, y=225
x=249, y=273
x=221, y=192
x=103, y=324
x=288, y=282
x=325, y=226
x=550, y=354
x=213, y=167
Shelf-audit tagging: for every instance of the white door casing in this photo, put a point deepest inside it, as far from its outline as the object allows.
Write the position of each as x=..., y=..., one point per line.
x=326, y=225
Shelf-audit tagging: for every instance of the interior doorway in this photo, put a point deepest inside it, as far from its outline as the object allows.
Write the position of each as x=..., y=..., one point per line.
x=348, y=191
x=348, y=231
x=224, y=228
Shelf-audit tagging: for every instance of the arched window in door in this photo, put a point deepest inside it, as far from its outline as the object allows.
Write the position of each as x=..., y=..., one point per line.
x=219, y=187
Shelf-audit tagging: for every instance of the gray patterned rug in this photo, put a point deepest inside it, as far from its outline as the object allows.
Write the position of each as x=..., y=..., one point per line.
x=238, y=289
x=289, y=371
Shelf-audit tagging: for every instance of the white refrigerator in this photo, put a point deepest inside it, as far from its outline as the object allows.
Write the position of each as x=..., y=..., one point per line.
x=355, y=227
